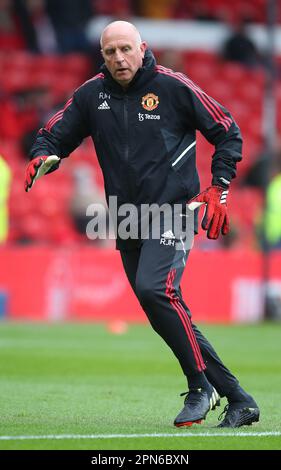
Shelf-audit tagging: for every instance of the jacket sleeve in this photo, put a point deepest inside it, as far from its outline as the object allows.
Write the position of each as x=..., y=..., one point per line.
x=63, y=132
x=219, y=128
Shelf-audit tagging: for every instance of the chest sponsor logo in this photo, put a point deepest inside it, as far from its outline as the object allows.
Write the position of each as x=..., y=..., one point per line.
x=143, y=117
x=150, y=101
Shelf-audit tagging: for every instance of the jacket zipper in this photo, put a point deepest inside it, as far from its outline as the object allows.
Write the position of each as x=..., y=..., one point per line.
x=126, y=127
x=126, y=154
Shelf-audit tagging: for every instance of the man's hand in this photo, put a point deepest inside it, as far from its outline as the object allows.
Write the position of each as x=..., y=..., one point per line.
x=215, y=218
x=38, y=167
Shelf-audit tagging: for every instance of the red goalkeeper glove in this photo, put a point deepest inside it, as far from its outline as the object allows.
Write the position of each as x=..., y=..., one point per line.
x=215, y=219
x=38, y=167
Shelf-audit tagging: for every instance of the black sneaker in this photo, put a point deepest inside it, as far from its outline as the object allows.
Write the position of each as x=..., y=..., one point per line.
x=239, y=414
x=198, y=402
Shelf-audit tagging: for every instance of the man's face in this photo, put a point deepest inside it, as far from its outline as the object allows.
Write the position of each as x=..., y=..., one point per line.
x=123, y=56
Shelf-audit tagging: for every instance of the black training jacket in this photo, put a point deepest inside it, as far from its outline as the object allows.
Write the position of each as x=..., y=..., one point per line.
x=145, y=137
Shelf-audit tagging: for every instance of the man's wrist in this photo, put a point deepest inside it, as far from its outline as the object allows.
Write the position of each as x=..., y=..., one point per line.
x=221, y=181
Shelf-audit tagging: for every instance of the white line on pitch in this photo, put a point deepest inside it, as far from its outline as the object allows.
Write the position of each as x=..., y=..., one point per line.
x=131, y=436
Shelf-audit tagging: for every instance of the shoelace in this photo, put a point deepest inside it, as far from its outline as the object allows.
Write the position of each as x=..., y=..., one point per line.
x=189, y=397
x=223, y=412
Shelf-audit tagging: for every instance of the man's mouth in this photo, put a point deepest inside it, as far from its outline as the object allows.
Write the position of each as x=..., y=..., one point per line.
x=122, y=69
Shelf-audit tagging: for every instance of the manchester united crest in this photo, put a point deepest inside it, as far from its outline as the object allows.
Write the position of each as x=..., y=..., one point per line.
x=150, y=101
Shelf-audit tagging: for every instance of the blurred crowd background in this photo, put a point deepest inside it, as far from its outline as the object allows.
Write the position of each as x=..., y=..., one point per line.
x=49, y=47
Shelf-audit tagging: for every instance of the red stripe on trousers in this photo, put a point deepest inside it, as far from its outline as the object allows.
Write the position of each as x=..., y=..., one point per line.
x=174, y=301
x=182, y=314
x=189, y=325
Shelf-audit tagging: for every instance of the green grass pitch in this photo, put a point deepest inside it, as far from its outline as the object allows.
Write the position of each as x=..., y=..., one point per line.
x=82, y=380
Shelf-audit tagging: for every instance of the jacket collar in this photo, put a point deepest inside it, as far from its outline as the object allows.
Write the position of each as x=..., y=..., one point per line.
x=143, y=75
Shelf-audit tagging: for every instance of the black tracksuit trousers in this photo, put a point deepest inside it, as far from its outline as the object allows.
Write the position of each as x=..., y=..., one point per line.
x=154, y=271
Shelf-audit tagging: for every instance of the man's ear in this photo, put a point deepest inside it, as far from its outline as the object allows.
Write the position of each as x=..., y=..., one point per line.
x=143, y=48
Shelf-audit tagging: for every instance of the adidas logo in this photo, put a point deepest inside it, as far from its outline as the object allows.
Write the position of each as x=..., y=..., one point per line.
x=214, y=399
x=223, y=197
x=168, y=234
x=104, y=105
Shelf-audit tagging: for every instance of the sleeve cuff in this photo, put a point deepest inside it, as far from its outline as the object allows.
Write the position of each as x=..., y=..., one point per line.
x=221, y=181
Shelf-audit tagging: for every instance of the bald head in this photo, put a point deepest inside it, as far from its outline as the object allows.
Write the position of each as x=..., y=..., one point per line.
x=120, y=27
x=123, y=51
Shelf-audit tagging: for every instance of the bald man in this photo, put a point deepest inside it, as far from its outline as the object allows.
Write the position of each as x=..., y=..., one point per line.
x=123, y=51
x=143, y=119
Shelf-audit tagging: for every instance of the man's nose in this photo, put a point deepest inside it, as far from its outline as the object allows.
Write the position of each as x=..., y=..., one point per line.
x=119, y=56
